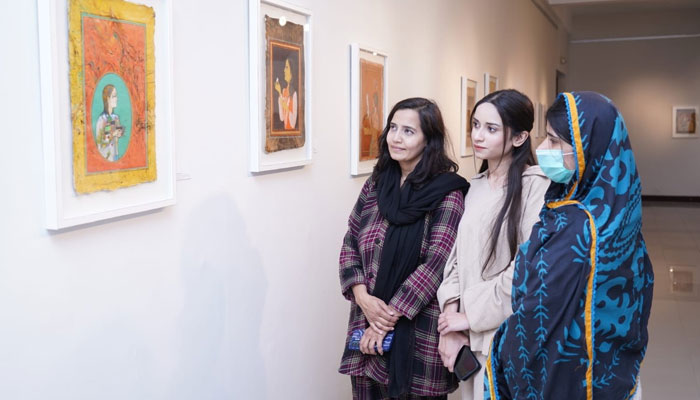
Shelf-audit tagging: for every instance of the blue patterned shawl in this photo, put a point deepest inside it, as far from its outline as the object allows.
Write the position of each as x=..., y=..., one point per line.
x=582, y=283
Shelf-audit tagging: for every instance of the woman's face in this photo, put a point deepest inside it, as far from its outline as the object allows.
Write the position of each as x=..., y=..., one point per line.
x=112, y=101
x=488, y=134
x=287, y=71
x=405, y=138
x=554, y=142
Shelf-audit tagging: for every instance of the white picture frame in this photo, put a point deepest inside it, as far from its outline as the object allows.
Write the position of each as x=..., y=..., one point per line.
x=685, y=122
x=64, y=207
x=375, y=57
x=491, y=83
x=466, y=148
x=261, y=160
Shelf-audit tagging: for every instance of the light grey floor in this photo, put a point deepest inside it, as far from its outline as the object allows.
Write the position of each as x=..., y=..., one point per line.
x=671, y=369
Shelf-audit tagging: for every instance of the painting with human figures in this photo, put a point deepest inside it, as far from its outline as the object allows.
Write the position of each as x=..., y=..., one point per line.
x=112, y=91
x=285, y=101
x=371, y=108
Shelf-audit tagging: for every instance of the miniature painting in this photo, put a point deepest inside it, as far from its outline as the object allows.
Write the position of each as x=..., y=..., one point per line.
x=112, y=89
x=371, y=108
x=284, y=106
x=685, y=121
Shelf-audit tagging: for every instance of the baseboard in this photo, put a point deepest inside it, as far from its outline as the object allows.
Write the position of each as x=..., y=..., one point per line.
x=677, y=199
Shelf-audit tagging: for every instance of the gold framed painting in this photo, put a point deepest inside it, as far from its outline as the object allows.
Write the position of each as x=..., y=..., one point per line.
x=280, y=92
x=368, y=105
x=106, y=64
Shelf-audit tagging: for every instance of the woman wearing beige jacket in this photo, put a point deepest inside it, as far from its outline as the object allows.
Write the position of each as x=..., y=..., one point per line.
x=503, y=203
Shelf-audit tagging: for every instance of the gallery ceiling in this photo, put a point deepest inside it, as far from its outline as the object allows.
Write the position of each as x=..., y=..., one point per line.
x=580, y=7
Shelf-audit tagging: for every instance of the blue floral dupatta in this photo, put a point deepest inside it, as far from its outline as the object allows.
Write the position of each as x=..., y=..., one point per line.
x=582, y=284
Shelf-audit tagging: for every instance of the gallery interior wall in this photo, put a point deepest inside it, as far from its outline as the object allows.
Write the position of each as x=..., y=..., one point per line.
x=233, y=292
x=646, y=78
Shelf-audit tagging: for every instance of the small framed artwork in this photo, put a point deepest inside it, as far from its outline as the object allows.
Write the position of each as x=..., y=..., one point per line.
x=468, y=100
x=106, y=94
x=685, y=122
x=368, y=106
x=684, y=282
x=490, y=83
x=280, y=85
x=538, y=127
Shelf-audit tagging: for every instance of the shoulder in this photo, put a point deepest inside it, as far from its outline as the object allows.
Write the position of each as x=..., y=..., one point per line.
x=535, y=181
x=534, y=173
x=369, y=186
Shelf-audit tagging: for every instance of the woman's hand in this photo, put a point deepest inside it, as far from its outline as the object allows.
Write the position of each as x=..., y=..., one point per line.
x=278, y=87
x=449, y=346
x=452, y=321
x=370, y=340
x=380, y=316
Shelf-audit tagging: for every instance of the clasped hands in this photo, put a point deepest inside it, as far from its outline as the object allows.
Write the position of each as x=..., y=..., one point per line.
x=380, y=316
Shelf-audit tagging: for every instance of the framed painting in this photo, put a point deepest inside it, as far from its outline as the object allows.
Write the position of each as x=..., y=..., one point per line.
x=280, y=85
x=106, y=108
x=368, y=106
x=685, y=122
x=537, y=124
x=468, y=100
x=490, y=83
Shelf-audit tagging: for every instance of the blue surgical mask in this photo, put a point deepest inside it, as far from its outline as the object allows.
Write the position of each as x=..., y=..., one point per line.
x=552, y=164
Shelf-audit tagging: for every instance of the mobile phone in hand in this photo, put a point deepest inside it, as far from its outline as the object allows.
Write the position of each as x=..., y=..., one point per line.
x=466, y=364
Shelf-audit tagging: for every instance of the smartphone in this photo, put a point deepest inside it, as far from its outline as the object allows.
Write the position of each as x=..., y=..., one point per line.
x=466, y=364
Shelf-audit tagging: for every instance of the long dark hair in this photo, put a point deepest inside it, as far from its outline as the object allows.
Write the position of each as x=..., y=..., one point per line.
x=517, y=114
x=434, y=160
x=558, y=118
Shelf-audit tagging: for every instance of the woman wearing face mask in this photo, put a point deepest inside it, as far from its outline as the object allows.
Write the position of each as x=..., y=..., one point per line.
x=583, y=283
x=400, y=233
x=502, y=205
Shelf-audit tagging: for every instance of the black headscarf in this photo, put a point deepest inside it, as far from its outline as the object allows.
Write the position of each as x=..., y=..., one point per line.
x=405, y=208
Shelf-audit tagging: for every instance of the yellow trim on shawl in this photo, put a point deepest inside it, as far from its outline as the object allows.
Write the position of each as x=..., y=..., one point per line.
x=589, y=295
x=489, y=373
x=577, y=141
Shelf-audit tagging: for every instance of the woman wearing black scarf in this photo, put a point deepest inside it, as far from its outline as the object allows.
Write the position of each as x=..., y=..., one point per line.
x=401, y=231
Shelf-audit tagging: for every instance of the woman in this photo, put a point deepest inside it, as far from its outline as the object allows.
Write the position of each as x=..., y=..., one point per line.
x=582, y=285
x=287, y=98
x=502, y=205
x=400, y=233
x=108, y=127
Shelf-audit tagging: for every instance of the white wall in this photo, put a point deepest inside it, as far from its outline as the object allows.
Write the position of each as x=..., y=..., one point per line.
x=233, y=292
x=645, y=79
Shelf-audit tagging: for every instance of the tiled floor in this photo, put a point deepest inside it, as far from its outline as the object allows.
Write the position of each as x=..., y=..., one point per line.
x=671, y=369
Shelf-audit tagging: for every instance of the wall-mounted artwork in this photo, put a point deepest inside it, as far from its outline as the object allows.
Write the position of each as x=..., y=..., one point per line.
x=490, y=83
x=112, y=103
x=280, y=70
x=106, y=108
x=468, y=100
x=369, y=100
x=685, y=122
x=537, y=126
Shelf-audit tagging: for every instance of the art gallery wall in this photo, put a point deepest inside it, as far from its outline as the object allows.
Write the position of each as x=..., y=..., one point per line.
x=233, y=292
x=646, y=78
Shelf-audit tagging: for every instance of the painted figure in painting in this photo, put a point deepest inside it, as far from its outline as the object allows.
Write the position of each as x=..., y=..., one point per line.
x=371, y=108
x=371, y=121
x=109, y=129
x=287, y=100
